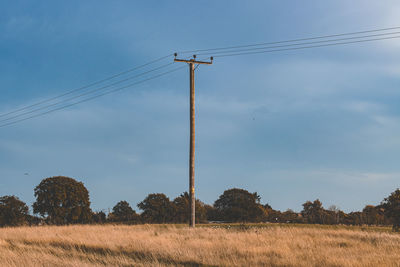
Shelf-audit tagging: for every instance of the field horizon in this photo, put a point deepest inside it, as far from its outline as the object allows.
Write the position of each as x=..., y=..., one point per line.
x=206, y=245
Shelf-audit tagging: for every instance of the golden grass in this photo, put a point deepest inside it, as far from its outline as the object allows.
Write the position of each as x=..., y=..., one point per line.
x=176, y=245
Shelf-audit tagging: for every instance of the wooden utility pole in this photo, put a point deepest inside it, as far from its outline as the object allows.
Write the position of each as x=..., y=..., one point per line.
x=192, y=198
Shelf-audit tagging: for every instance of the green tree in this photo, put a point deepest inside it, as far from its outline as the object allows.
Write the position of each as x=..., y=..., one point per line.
x=99, y=217
x=356, y=218
x=313, y=212
x=182, y=209
x=34, y=220
x=13, y=211
x=289, y=216
x=211, y=213
x=62, y=200
x=122, y=212
x=374, y=215
x=391, y=205
x=335, y=215
x=239, y=205
x=157, y=208
x=274, y=216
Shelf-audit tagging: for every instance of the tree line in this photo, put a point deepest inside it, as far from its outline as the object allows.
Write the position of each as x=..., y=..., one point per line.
x=63, y=200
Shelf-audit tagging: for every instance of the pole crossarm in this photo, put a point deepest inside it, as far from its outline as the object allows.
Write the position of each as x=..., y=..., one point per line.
x=193, y=60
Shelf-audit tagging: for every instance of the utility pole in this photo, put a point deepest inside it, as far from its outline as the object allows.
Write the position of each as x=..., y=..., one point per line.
x=192, y=199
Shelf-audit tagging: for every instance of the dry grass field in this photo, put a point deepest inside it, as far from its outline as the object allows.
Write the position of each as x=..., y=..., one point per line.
x=176, y=245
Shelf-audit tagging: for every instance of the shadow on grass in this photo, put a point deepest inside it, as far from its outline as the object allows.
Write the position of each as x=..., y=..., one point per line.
x=87, y=252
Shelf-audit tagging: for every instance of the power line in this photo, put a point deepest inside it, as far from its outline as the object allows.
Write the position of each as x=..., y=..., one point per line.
x=289, y=41
x=257, y=49
x=86, y=86
x=304, y=47
x=93, y=97
x=84, y=94
x=298, y=44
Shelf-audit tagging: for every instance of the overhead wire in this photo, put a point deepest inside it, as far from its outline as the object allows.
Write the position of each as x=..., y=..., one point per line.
x=291, y=40
x=86, y=86
x=294, y=44
x=84, y=94
x=93, y=97
x=299, y=44
x=303, y=47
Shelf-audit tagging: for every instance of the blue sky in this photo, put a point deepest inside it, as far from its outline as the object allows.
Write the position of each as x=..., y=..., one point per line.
x=293, y=126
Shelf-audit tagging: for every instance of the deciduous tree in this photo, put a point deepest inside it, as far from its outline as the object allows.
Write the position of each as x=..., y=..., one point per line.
x=122, y=212
x=99, y=217
x=182, y=209
x=391, y=205
x=239, y=205
x=313, y=212
x=62, y=200
x=13, y=211
x=157, y=208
